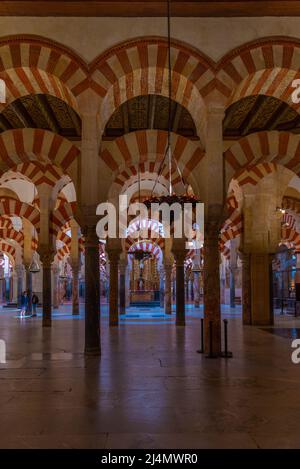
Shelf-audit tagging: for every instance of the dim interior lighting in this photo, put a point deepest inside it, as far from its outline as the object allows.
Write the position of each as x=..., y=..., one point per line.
x=280, y=210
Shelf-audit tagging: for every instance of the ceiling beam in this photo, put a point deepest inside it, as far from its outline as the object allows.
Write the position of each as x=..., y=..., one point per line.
x=47, y=112
x=187, y=8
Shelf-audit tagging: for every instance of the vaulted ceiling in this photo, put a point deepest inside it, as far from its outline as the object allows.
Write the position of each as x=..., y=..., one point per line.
x=150, y=112
x=257, y=113
x=44, y=112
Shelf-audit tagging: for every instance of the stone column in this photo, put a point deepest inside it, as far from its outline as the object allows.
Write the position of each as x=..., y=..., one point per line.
x=232, y=286
x=15, y=287
x=261, y=284
x=180, y=287
x=161, y=286
x=75, y=265
x=56, y=298
x=246, y=287
x=92, y=292
x=127, y=281
x=28, y=277
x=19, y=270
x=214, y=189
x=168, y=291
x=46, y=259
x=212, y=311
x=113, y=256
x=123, y=269
x=75, y=288
x=197, y=289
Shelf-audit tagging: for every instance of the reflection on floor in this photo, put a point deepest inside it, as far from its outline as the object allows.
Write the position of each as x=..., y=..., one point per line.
x=153, y=315
x=150, y=389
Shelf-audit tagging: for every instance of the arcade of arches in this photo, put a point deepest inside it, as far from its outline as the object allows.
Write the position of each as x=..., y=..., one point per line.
x=77, y=130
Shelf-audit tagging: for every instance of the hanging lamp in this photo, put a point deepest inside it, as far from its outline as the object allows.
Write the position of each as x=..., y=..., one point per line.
x=168, y=159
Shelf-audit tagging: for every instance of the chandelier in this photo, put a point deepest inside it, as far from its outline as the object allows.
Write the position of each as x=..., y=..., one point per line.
x=140, y=255
x=168, y=160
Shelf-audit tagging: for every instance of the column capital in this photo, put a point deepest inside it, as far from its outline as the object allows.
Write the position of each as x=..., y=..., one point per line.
x=180, y=256
x=89, y=103
x=46, y=256
x=19, y=268
x=113, y=256
x=216, y=103
x=90, y=236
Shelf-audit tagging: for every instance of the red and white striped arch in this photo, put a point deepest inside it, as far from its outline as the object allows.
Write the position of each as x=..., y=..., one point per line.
x=265, y=66
x=289, y=220
x=24, y=145
x=12, y=234
x=259, y=153
x=31, y=64
x=147, y=246
x=290, y=203
x=12, y=207
x=5, y=222
x=140, y=67
x=290, y=235
x=36, y=172
x=9, y=250
x=147, y=147
x=62, y=214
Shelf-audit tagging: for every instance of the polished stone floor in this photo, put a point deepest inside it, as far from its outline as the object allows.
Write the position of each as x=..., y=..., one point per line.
x=150, y=389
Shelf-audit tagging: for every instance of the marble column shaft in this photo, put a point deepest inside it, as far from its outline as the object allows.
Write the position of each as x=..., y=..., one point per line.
x=46, y=259
x=113, y=287
x=212, y=311
x=180, y=287
x=92, y=292
x=168, y=291
x=123, y=269
x=246, y=288
x=75, y=288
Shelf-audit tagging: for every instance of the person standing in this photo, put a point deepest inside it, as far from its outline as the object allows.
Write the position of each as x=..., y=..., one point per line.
x=35, y=301
x=24, y=302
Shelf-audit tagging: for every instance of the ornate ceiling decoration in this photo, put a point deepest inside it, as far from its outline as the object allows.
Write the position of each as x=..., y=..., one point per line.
x=257, y=113
x=150, y=112
x=44, y=112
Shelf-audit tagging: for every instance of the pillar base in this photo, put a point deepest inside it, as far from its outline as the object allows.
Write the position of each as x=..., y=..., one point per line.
x=113, y=323
x=47, y=322
x=180, y=322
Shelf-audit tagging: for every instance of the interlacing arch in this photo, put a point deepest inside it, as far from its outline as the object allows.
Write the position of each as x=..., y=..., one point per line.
x=148, y=147
x=9, y=250
x=140, y=67
x=12, y=234
x=147, y=246
x=13, y=207
x=266, y=66
x=37, y=145
x=34, y=65
x=290, y=203
x=289, y=235
x=259, y=153
x=63, y=213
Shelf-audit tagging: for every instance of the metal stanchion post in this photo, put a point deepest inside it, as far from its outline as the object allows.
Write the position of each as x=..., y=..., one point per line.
x=202, y=338
x=226, y=353
x=211, y=354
